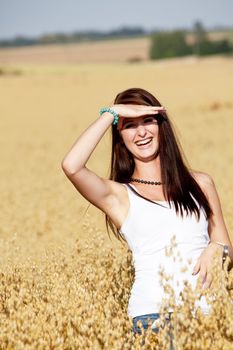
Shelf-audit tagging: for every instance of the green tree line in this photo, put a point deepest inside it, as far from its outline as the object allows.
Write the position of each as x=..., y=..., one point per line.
x=76, y=37
x=174, y=44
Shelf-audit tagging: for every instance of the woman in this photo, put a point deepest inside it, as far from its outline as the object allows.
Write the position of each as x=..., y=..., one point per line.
x=151, y=195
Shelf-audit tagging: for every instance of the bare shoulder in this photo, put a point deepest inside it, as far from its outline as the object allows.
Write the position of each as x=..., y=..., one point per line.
x=204, y=180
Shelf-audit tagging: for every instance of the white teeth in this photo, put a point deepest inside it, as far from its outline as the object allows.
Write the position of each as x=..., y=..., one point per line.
x=144, y=142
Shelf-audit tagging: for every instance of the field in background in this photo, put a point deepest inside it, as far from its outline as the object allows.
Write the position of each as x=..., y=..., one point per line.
x=43, y=109
x=103, y=51
x=118, y=50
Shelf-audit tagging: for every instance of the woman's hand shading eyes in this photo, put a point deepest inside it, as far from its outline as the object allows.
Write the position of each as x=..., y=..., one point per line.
x=128, y=111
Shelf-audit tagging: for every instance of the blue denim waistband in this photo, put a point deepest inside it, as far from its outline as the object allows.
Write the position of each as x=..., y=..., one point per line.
x=152, y=315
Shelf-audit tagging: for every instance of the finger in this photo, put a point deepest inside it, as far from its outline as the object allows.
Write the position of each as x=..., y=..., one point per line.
x=159, y=108
x=196, y=268
x=149, y=107
x=208, y=282
x=153, y=112
x=156, y=111
x=202, y=275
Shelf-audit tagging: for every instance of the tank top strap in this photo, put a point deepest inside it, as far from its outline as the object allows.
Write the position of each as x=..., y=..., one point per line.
x=132, y=190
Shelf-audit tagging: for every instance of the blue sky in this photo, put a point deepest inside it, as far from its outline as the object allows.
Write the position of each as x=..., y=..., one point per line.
x=37, y=17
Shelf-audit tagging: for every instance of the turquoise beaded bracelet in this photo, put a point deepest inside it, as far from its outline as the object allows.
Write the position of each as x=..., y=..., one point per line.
x=106, y=109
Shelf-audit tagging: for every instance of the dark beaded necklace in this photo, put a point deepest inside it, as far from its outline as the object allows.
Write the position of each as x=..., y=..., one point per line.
x=146, y=182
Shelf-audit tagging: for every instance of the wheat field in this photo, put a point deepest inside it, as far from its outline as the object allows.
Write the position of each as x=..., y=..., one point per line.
x=64, y=284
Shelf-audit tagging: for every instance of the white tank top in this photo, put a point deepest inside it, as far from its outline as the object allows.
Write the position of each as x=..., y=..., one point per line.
x=148, y=229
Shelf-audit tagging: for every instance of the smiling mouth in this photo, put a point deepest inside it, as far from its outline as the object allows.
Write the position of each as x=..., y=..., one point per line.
x=144, y=142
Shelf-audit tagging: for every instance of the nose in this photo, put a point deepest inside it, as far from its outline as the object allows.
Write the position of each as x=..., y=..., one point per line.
x=141, y=130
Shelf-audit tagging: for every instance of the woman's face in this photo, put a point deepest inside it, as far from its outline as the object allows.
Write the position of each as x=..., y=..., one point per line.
x=140, y=136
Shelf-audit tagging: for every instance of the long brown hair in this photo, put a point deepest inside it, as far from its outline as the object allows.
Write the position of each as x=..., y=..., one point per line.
x=180, y=187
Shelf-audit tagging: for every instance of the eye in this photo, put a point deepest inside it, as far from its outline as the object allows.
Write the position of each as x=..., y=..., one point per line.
x=129, y=125
x=151, y=119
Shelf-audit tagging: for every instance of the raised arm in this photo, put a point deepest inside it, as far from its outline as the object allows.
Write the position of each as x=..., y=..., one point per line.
x=101, y=192
x=94, y=188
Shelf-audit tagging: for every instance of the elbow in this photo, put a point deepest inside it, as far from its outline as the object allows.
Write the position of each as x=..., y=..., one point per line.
x=68, y=170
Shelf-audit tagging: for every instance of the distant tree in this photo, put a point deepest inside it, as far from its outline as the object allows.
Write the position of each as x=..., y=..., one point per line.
x=203, y=46
x=200, y=37
x=209, y=47
x=169, y=44
x=127, y=31
x=224, y=46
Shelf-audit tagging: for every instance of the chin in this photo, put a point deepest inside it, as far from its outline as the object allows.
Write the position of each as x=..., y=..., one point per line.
x=147, y=158
x=147, y=155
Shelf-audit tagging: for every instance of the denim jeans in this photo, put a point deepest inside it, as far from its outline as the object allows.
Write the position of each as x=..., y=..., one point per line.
x=144, y=319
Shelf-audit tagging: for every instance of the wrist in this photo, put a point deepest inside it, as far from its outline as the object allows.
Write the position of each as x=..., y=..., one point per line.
x=110, y=111
x=225, y=250
x=108, y=115
x=218, y=244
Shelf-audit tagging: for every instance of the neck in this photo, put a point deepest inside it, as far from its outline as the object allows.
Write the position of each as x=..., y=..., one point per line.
x=150, y=170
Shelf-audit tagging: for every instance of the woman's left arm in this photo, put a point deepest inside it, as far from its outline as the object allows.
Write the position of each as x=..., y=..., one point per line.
x=216, y=228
